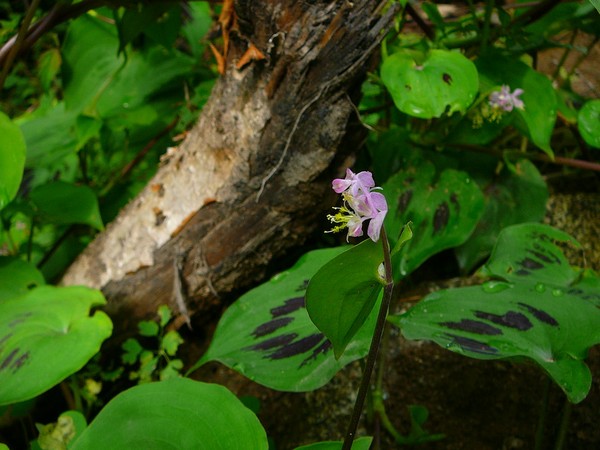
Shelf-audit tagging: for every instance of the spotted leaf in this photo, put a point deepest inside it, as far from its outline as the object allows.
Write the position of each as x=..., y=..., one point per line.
x=46, y=335
x=542, y=309
x=268, y=336
x=444, y=210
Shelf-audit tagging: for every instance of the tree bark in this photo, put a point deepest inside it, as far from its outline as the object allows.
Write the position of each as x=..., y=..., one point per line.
x=252, y=177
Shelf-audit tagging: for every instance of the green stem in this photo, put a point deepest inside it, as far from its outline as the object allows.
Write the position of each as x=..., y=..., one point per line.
x=365, y=382
x=487, y=20
x=564, y=426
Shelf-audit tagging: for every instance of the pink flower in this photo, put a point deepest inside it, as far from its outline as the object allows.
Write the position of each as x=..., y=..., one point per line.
x=360, y=204
x=503, y=99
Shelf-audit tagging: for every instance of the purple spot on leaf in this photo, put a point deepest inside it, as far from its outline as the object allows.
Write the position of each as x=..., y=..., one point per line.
x=472, y=345
x=297, y=347
x=274, y=342
x=511, y=319
x=290, y=305
x=321, y=349
x=540, y=315
x=271, y=326
x=441, y=217
x=473, y=326
x=9, y=359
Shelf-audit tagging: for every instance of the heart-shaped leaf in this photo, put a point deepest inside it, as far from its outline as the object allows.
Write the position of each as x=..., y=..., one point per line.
x=428, y=86
x=342, y=294
x=268, y=336
x=174, y=414
x=544, y=310
x=45, y=336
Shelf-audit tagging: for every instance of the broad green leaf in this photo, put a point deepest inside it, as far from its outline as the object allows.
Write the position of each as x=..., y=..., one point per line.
x=363, y=443
x=444, y=210
x=341, y=295
x=48, y=66
x=12, y=159
x=539, y=115
x=596, y=4
x=588, y=122
x=47, y=335
x=510, y=198
x=442, y=82
x=268, y=336
x=51, y=135
x=164, y=314
x=529, y=252
x=175, y=414
x=17, y=277
x=542, y=310
x=66, y=203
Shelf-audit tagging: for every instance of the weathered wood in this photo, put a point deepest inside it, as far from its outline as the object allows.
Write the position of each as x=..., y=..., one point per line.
x=252, y=177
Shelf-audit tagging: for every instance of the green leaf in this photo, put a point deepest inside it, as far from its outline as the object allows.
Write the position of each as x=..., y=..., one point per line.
x=529, y=251
x=51, y=135
x=45, y=336
x=48, y=66
x=171, y=370
x=537, y=119
x=175, y=414
x=363, y=443
x=267, y=331
x=12, y=159
x=341, y=295
x=596, y=4
x=170, y=342
x=164, y=314
x=588, y=123
x=444, y=210
x=148, y=328
x=442, y=82
x=17, y=277
x=66, y=203
x=60, y=435
x=131, y=348
x=543, y=310
x=510, y=198
x=197, y=28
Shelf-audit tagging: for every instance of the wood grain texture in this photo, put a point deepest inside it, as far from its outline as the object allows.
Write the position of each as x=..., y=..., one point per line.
x=253, y=176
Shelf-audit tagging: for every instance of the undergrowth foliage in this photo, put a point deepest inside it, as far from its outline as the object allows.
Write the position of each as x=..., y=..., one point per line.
x=464, y=130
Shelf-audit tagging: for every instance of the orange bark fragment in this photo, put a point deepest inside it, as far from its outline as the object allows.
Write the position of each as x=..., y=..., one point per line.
x=252, y=54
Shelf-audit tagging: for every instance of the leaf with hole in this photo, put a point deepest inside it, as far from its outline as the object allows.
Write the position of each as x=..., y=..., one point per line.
x=174, y=414
x=17, y=277
x=428, y=86
x=46, y=335
x=268, y=336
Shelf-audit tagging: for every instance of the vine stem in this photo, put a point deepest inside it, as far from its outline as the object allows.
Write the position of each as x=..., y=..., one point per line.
x=365, y=382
